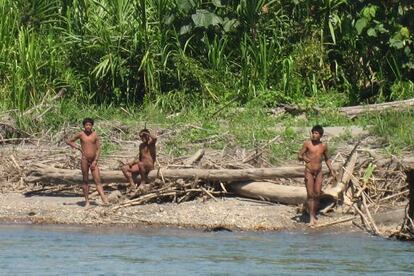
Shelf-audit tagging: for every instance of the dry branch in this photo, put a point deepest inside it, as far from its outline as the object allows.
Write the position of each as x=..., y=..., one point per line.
x=195, y=157
x=346, y=175
x=333, y=222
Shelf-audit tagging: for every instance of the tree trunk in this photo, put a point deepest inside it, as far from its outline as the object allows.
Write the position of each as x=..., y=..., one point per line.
x=50, y=175
x=353, y=111
x=268, y=191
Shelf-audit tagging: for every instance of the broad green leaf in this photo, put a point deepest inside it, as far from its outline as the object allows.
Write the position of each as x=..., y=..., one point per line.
x=396, y=42
x=217, y=3
x=361, y=24
x=185, y=29
x=204, y=18
x=369, y=12
x=229, y=25
x=185, y=5
x=380, y=28
x=168, y=20
x=371, y=32
x=405, y=32
x=407, y=50
x=331, y=29
x=409, y=65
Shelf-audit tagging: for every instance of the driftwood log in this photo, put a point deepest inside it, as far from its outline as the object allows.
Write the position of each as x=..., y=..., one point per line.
x=353, y=111
x=268, y=191
x=350, y=111
x=50, y=175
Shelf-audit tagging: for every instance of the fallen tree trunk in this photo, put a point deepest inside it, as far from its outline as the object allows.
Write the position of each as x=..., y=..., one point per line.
x=350, y=111
x=408, y=164
x=268, y=191
x=293, y=195
x=353, y=111
x=50, y=175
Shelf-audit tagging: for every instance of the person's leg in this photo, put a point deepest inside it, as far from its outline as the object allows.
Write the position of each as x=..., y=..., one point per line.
x=85, y=186
x=142, y=173
x=309, y=182
x=128, y=171
x=317, y=190
x=97, y=178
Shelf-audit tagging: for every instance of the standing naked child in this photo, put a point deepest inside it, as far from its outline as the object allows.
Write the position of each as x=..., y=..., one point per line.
x=312, y=152
x=90, y=149
x=146, y=159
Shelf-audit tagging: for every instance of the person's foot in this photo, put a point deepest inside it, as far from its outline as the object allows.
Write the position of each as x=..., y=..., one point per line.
x=105, y=200
x=313, y=221
x=87, y=204
x=132, y=188
x=144, y=188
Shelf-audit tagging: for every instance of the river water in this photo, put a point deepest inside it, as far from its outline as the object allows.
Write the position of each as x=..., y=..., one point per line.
x=73, y=250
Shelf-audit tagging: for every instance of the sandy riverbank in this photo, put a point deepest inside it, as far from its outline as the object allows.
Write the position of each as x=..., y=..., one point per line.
x=230, y=213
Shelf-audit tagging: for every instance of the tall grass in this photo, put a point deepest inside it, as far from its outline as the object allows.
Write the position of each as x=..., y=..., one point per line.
x=125, y=52
x=396, y=128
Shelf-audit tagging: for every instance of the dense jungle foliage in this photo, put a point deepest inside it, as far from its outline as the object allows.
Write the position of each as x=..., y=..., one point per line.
x=178, y=53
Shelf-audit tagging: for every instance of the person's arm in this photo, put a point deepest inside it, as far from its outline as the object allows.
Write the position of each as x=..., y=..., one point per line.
x=98, y=151
x=152, y=139
x=72, y=144
x=135, y=161
x=329, y=162
x=302, y=155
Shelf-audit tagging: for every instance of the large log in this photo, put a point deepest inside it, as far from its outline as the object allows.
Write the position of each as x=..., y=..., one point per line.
x=50, y=175
x=408, y=164
x=353, y=111
x=268, y=191
x=350, y=111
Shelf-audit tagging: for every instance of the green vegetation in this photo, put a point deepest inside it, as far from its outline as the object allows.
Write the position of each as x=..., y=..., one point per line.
x=140, y=60
x=177, y=52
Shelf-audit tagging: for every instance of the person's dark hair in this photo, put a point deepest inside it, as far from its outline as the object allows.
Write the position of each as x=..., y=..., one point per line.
x=87, y=120
x=318, y=129
x=144, y=131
